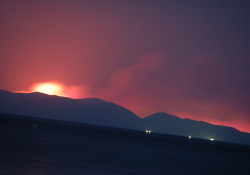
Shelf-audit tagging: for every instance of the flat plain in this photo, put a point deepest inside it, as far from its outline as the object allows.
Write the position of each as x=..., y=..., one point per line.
x=34, y=146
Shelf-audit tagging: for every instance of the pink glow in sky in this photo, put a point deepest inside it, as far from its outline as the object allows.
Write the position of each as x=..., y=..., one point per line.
x=189, y=59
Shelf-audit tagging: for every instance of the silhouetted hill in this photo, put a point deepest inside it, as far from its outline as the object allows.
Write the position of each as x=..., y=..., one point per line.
x=169, y=124
x=11, y=98
x=91, y=110
x=98, y=112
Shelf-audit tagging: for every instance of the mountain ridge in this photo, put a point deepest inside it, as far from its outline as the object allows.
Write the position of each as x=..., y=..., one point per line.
x=99, y=112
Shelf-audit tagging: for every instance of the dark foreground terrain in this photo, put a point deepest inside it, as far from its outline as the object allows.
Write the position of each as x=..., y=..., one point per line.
x=33, y=146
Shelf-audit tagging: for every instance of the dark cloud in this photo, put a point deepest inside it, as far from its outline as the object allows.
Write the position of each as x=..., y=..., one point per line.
x=197, y=87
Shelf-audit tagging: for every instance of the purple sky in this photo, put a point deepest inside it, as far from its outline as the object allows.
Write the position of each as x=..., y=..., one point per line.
x=189, y=58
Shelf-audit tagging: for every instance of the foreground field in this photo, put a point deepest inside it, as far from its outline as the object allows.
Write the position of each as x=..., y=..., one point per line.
x=46, y=147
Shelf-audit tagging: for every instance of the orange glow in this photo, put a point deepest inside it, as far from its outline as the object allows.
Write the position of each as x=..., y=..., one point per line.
x=59, y=89
x=50, y=88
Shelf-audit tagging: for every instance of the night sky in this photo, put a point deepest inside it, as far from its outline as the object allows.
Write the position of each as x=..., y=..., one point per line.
x=188, y=58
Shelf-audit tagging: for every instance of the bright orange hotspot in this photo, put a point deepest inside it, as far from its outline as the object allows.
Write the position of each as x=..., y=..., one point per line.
x=50, y=88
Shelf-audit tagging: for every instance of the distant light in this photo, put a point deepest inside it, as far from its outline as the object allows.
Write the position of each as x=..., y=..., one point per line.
x=50, y=88
x=148, y=131
x=189, y=137
x=212, y=139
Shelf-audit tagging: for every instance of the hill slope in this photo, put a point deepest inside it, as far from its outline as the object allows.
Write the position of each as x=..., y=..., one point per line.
x=98, y=112
x=169, y=124
x=91, y=111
